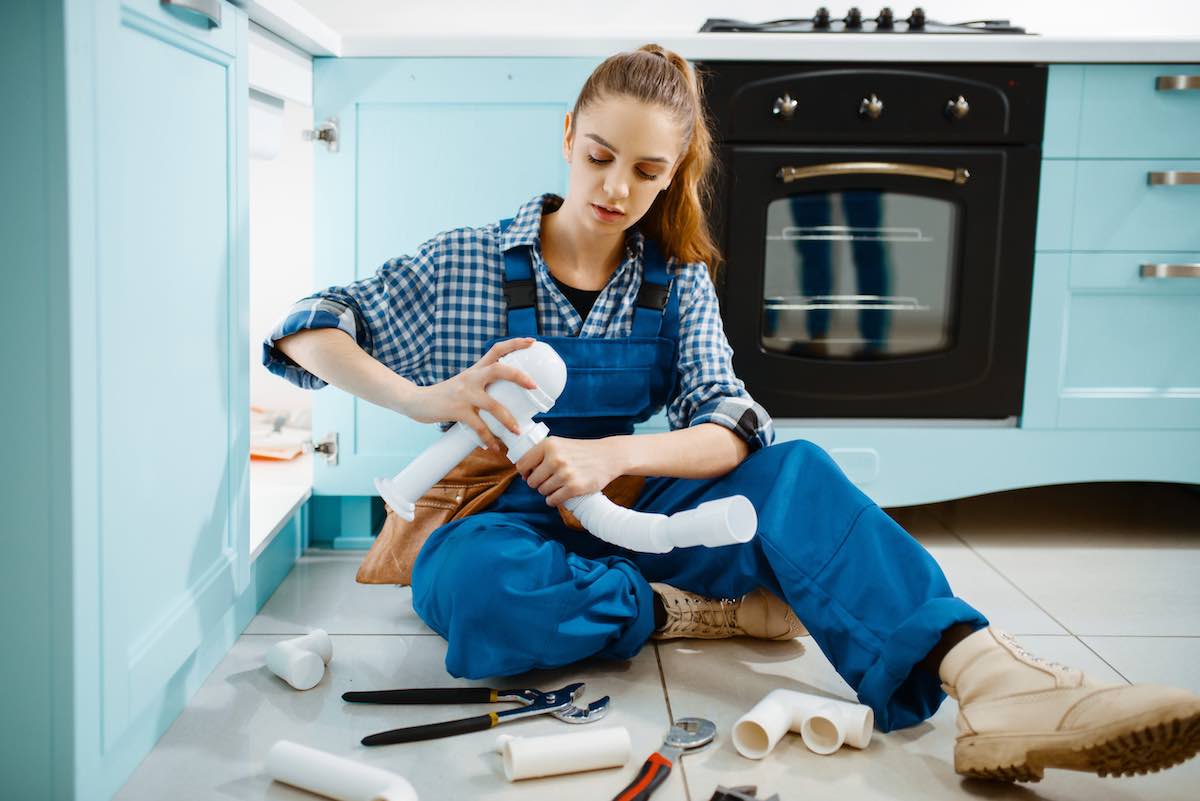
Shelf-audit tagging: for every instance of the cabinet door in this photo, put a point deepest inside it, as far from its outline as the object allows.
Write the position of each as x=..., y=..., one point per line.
x=425, y=145
x=162, y=378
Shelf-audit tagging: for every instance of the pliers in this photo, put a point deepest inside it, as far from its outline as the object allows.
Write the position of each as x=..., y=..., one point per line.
x=560, y=703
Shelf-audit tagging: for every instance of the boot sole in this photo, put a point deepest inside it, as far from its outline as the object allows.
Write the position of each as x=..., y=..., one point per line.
x=1144, y=744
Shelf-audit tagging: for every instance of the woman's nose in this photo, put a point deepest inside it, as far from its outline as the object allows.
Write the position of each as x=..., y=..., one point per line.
x=616, y=187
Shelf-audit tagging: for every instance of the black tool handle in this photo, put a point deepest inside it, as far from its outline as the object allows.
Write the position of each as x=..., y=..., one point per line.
x=431, y=731
x=654, y=772
x=428, y=695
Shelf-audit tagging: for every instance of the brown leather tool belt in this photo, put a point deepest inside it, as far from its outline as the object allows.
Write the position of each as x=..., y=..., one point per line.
x=471, y=487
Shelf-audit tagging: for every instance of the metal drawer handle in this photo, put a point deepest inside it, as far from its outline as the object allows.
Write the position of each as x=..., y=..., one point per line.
x=1170, y=271
x=210, y=10
x=1167, y=83
x=958, y=175
x=1172, y=178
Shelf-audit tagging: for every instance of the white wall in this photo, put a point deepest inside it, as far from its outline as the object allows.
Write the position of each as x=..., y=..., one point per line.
x=281, y=217
x=662, y=17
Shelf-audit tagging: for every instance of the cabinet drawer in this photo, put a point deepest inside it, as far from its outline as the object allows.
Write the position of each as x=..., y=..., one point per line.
x=1129, y=358
x=209, y=21
x=1118, y=208
x=1125, y=115
x=1145, y=273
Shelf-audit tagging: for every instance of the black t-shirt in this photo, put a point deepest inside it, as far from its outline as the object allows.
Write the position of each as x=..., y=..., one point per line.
x=581, y=299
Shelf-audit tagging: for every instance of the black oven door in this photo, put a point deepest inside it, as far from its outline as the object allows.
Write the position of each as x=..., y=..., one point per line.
x=879, y=282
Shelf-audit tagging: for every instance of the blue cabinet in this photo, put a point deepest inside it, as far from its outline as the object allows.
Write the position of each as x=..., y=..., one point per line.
x=135, y=285
x=1112, y=336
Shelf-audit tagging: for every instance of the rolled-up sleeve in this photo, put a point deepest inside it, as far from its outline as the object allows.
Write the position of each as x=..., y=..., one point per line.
x=708, y=390
x=389, y=314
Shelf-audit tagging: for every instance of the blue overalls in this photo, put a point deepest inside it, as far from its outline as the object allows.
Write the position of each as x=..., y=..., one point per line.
x=513, y=588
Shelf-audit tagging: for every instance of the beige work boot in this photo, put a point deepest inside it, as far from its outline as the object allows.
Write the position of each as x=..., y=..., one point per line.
x=757, y=614
x=1019, y=715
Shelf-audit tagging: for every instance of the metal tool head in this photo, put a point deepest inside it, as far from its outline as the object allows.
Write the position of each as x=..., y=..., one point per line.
x=560, y=703
x=573, y=713
x=689, y=733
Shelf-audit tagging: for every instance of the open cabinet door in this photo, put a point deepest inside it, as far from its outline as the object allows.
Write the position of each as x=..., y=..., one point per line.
x=160, y=366
x=424, y=145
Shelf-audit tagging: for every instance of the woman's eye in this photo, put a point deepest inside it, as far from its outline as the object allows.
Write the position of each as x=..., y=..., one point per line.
x=645, y=176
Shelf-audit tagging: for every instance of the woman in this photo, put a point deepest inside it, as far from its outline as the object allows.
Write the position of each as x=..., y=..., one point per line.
x=614, y=277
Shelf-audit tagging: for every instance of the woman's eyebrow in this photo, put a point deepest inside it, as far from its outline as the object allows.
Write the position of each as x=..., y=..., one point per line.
x=613, y=149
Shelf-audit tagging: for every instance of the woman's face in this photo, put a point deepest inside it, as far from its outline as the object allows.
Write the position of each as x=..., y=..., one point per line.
x=621, y=153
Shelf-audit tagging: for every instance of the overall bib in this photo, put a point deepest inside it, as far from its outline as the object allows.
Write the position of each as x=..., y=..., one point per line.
x=513, y=588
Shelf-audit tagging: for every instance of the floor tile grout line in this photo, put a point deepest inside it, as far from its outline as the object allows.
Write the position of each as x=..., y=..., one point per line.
x=1105, y=661
x=662, y=677
x=1014, y=585
x=999, y=572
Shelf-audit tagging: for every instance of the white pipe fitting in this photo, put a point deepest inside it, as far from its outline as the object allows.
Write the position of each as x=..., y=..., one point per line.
x=334, y=777
x=824, y=724
x=301, y=661
x=531, y=757
x=724, y=521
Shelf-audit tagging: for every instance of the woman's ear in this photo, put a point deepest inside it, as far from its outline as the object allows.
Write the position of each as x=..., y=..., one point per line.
x=567, y=137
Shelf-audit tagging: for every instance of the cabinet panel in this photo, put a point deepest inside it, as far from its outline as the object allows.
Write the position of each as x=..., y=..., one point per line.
x=170, y=367
x=1128, y=349
x=1124, y=115
x=1117, y=208
x=426, y=145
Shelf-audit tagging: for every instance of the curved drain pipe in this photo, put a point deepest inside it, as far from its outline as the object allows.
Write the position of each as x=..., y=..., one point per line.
x=824, y=724
x=724, y=521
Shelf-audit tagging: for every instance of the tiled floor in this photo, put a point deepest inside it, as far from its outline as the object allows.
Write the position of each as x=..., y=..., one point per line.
x=1104, y=577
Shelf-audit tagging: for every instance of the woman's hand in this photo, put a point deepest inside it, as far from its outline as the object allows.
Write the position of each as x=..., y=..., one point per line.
x=460, y=398
x=565, y=468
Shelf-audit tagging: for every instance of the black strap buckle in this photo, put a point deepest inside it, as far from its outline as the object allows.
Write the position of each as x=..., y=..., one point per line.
x=651, y=296
x=520, y=294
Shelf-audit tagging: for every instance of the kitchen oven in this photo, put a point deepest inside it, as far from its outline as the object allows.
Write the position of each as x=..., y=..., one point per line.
x=877, y=224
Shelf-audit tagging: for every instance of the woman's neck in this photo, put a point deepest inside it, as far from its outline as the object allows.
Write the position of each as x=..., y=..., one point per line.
x=576, y=258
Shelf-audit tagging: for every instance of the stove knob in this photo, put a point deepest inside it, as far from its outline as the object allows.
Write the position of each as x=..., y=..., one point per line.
x=821, y=20
x=885, y=21
x=916, y=20
x=957, y=109
x=870, y=107
x=784, y=106
x=853, y=19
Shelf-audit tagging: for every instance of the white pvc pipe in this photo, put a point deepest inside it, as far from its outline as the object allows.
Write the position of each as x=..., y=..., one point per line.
x=824, y=724
x=301, y=661
x=724, y=521
x=530, y=757
x=334, y=777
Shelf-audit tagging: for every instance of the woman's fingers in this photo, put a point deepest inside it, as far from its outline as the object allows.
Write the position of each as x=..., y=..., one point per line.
x=500, y=413
x=504, y=348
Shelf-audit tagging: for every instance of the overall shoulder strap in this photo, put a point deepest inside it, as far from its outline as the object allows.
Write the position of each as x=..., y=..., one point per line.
x=657, y=310
x=520, y=289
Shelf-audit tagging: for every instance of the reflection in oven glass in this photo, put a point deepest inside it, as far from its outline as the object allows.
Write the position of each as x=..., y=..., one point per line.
x=861, y=274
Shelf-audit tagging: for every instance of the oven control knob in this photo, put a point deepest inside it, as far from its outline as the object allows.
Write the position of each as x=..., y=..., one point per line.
x=957, y=109
x=870, y=107
x=821, y=20
x=886, y=20
x=853, y=19
x=784, y=106
x=916, y=20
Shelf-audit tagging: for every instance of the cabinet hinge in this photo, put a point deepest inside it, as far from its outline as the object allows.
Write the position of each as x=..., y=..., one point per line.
x=326, y=132
x=327, y=446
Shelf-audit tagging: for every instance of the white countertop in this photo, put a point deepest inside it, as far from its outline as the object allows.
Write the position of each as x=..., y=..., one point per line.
x=1109, y=31
x=277, y=489
x=794, y=47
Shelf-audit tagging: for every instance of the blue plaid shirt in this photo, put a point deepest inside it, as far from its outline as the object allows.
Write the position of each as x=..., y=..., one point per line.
x=428, y=316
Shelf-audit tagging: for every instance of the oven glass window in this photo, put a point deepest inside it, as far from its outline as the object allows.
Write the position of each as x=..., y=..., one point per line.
x=859, y=274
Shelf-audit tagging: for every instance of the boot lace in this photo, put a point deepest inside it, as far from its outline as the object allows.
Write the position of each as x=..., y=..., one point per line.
x=1051, y=665
x=711, y=613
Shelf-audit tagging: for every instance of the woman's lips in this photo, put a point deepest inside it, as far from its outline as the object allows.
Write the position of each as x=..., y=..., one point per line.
x=605, y=214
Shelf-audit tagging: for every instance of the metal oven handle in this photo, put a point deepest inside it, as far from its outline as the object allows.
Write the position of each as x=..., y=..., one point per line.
x=958, y=175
